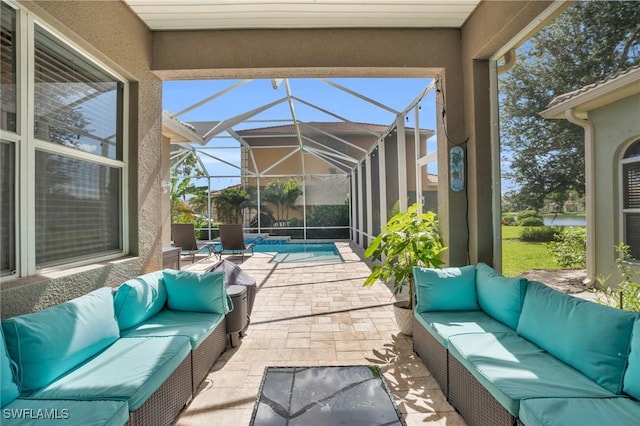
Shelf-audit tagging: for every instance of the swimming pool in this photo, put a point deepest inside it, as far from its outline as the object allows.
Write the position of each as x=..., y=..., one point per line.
x=300, y=252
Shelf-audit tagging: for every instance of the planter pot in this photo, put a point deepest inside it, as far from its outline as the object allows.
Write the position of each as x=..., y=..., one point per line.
x=404, y=317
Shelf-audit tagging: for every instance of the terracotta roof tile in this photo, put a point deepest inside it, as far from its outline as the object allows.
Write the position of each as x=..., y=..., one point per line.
x=567, y=96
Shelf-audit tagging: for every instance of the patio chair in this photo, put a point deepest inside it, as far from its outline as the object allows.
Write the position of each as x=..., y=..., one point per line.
x=232, y=239
x=183, y=235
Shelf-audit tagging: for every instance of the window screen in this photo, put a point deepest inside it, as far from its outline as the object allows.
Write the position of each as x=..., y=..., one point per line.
x=76, y=104
x=631, y=198
x=7, y=209
x=632, y=231
x=7, y=68
x=631, y=173
x=77, y=209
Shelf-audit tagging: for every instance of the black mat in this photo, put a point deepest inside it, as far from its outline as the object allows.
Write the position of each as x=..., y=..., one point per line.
x=315, y=396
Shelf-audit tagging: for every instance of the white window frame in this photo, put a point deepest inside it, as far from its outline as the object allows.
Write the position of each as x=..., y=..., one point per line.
x=625, y=211
x=26, y=146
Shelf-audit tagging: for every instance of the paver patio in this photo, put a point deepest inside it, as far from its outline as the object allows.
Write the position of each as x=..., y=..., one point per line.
x=315, y=314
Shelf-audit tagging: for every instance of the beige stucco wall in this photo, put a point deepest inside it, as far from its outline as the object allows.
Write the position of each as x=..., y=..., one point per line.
x=109, y=31
x=615, y=127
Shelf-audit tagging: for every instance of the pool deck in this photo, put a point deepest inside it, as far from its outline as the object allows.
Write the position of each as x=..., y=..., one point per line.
x=316, y=314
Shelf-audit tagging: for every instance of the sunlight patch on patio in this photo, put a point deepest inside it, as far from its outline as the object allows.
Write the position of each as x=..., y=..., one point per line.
x=316, y=314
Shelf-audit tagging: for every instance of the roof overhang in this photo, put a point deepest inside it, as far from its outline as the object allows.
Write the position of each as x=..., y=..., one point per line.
x=161, y=15
x=178, y=131
x=595, y=96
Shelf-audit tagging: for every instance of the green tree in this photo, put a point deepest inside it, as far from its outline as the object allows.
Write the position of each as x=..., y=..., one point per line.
x=184, y=193
x=283, y=196
x=589, y=41
x=230, y=202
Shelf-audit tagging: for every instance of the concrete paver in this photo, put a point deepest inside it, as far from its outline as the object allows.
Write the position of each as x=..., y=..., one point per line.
x=316, y=314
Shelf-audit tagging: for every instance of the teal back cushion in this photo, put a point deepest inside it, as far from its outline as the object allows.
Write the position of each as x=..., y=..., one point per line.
x=196, y=291
x=446, y=289
x=48, y=343
x=590, y=337
x=498, y=296
x=632, y=376
x=9, y=390
x=139, y=299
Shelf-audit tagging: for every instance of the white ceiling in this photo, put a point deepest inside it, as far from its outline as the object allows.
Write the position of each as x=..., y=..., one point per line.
x=229, y=14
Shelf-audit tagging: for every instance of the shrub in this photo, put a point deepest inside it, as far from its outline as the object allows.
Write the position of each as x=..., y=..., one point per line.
x=569, y=248
x=529, y=213
x=531, y=221
x=509, y=220
x=627, y=294
x=530, y=218
x=539, y=234
x=328, y=215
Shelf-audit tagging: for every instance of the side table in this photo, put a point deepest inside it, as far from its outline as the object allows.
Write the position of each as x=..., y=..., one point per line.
x=171, y=257
x=237, y=319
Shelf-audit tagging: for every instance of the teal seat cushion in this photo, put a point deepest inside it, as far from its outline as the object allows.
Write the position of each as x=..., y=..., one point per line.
x=9, y=390
x=593, y=338
x=50, y=342
x=196, y=291
x=130, y=370
x=139, y=298
x=444, y=324
x=197, y=326
x=500, y=297
x=30, y=412
x=512, y=369
x=632, y=375
x=580, y=411
x=446, y=289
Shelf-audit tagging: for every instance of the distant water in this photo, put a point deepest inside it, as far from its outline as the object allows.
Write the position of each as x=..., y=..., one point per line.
x=565, y=221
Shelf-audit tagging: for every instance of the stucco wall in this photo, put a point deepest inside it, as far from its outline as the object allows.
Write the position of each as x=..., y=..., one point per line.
x=615, y=127
x=109, y=31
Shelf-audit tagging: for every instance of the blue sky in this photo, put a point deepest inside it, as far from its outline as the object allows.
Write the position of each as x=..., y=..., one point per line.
x=394, y=92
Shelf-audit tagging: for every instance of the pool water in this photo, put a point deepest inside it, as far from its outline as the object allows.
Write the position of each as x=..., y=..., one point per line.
x=301, y=252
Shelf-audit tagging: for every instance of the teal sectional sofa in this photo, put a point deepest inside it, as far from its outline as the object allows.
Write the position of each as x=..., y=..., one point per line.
x=508, y=350
x=133, y=355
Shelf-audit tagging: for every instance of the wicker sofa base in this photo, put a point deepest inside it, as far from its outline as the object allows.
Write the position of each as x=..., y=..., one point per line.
x=432, y=354
x=475, y=404
x=166, y=403
x=207, y=353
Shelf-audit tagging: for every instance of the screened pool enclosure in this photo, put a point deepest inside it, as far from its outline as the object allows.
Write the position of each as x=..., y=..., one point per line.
x=304, y=158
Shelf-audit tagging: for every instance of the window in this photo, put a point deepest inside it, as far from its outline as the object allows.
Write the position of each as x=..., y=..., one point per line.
x=66, y=170
x=7, y=147
x=631, y=198
x=7, y=209
x=7, y=68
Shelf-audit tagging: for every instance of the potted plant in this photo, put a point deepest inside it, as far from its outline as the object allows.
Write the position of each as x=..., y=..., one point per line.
x=408, y=239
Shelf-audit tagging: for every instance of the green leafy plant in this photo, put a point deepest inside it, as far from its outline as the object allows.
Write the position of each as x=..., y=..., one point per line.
x=531, y=221
x=509, y=220
x=530, y=217
x=283, y=196
x=230, y=202
x=627, y=294
x=569, y=247
x=539, y=234
x=408, y=239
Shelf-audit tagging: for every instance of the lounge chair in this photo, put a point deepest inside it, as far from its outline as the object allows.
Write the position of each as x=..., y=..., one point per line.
x=232, y=239
x=184, y=236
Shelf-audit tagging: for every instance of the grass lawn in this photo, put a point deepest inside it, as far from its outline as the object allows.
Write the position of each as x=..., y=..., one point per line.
x=518, y=257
